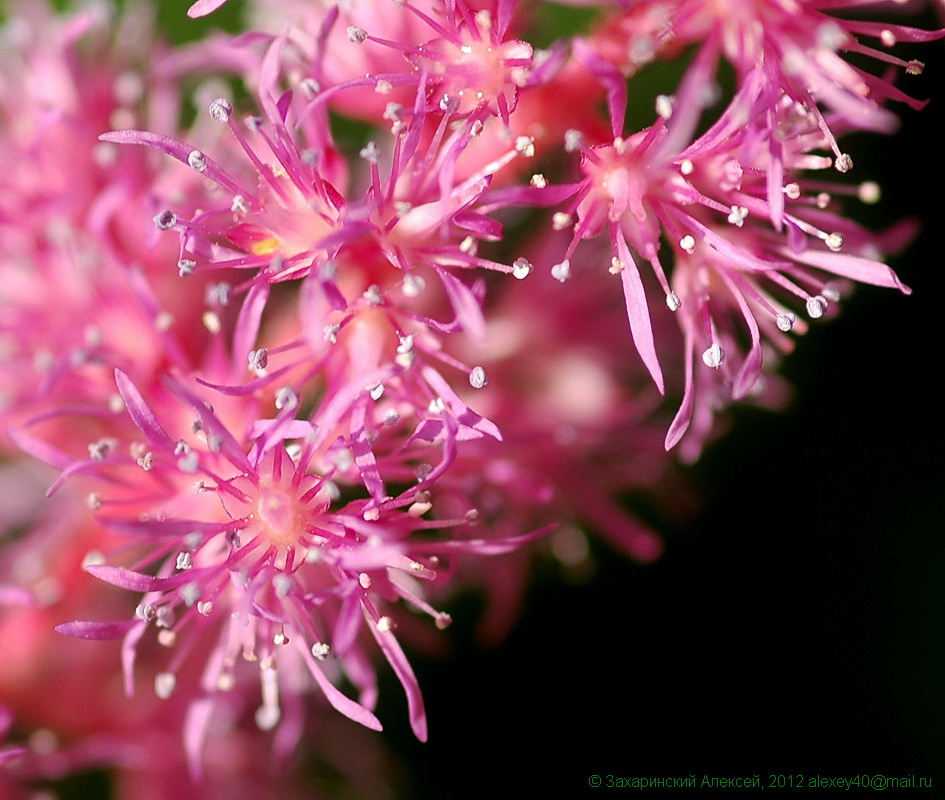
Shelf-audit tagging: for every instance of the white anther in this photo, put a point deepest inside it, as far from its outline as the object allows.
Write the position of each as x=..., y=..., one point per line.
x=221, y=109
x=713, y=356
x=197, y=160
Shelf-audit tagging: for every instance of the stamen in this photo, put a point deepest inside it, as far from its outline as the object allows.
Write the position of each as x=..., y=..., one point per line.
x=478, y=377
x=221, y=109
x=713, y=356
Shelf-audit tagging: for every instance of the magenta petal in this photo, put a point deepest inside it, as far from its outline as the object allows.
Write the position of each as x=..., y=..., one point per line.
x=196, y=727
x=140, y=413
x=176, y=149
x=96, y=630
x=396, y=658
x=465, y=304
x=472, y=424
x=340, y=702
x=135, y=581
x=612, y=79
x=855, y=267
x=40, y=450
x=364, y=455
x=683, y=417
x=203, y=7
x=637, y=313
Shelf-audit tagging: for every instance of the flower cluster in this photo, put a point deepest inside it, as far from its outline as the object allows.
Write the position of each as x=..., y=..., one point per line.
x=309, y=328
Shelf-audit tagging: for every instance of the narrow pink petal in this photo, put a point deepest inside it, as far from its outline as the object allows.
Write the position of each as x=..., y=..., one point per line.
x=364, y=455
x=860, y=269
x=96, y=630
x=176, y=149
x=196, y=727
x=465, y=304
x=474, y=424
x=396, y=658
x=247, y=324
x=339, y=701
x=215, y=430
x=137, y=581
x=203, y=7
x=40, y=449
x=638, y=313
x=140, y=412
x=683, y=417
x=612, y=79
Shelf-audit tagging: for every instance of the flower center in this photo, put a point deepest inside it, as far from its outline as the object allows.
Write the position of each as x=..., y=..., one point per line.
x=281, y=519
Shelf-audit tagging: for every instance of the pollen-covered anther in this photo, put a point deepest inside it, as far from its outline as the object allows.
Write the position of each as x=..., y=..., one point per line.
x=321, y=650
x=412, y=285
x=356, y=34
x=370, y=153
x=664, y=105
x=373, y=295
x=212, y=322
x=673, y=302
x=834, y=241
x=521, y=268
x=785, y=322
x=197, y=161
x=258, y=359
x=573, y=140
x=843, y=163
x=713, y=356
x=364, y=580
x=286, y=398
x=164, y=683
x=478, y=377
x=737, y=216
x=616, y=266
x=442, y=621
x=560, y=220
x=418, y=509
x=165, y=220
x=792, y=191
x=186, y=267
x=539, y=181
x=688, y=243
x=869, y=192
x=220, y=109
x=385, y=624
x=561, y=271
x=914, y=67
x=525, y=146
x=816, y=306
x=100, y=450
